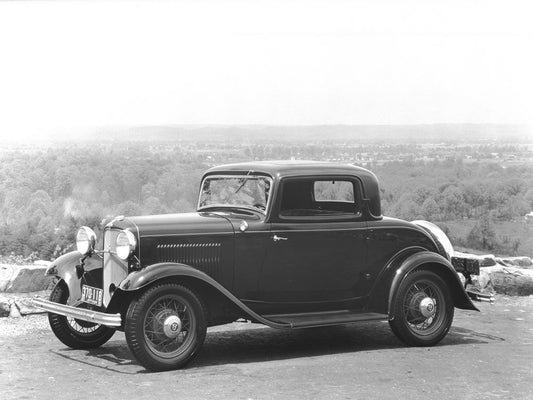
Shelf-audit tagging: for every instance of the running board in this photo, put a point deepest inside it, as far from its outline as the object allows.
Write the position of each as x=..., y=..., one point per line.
x=311, y=320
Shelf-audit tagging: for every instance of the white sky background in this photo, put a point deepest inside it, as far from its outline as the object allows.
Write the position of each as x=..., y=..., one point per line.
x=95, y=63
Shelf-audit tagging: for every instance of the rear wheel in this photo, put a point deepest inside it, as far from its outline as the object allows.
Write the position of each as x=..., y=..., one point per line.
x=422, y=309
x=73, y=332
x=165, y=326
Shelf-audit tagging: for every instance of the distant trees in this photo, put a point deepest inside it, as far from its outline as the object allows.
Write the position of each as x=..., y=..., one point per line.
x=453, y=190
x=446, y=191
x=483, y=235
x=45, y=195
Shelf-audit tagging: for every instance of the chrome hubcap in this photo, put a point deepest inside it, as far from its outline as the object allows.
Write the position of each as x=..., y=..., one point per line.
x=423, y=307
x=172, y=326
x=427, y=307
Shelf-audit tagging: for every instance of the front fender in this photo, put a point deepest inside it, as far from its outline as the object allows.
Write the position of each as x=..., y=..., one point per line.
x=438, y=264
x=139, y=279
x=65, y=267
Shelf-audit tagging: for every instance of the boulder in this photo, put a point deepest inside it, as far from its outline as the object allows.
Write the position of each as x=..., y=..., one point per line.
x=5, y=307
x=14, y=311
x=23, y=278
x=26, y=307
x=7, y=272
x=520, y=262
x=507, y=280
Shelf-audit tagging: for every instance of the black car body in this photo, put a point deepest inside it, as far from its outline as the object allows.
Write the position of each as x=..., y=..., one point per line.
x=286, y=244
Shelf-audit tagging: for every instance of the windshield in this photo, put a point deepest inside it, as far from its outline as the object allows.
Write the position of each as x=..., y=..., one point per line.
x=240, y=191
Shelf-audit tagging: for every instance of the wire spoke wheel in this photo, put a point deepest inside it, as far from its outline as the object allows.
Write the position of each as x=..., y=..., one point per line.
x=76, y=333
x=165, y=326
x=82, y=327
x=422, y=309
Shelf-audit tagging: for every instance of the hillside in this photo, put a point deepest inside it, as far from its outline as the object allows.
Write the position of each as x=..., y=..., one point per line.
x=477, y=189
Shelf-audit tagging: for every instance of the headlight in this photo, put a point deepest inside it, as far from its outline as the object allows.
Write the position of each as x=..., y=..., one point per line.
x=85, y=240
x=125, y=244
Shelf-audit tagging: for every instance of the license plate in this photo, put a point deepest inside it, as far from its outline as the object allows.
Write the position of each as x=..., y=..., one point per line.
x=92, y=295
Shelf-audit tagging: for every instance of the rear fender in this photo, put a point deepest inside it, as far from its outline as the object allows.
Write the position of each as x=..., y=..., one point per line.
x=66, y=267
x=436, y=263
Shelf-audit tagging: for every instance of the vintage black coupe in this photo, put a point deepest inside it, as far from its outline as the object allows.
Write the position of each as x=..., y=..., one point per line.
x=284, y=243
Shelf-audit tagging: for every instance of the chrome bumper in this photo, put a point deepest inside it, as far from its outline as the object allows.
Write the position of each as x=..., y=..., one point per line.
x=479, y=296
x=79, y=313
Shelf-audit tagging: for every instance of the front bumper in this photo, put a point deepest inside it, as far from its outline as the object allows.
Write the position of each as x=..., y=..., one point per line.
x=79, y=313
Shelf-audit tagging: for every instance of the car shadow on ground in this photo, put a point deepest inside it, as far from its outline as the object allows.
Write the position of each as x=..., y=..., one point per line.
x=257, y=345
x=267, y=344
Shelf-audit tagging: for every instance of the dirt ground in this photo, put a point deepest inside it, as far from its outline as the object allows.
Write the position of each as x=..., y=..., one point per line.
x=487, y=355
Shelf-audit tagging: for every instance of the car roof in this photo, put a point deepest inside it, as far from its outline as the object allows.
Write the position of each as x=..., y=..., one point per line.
x=283, y=168
x=279, y=169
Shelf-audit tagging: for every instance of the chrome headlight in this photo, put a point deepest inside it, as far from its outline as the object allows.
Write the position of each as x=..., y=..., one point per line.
x=85, y=240
x=125, y=244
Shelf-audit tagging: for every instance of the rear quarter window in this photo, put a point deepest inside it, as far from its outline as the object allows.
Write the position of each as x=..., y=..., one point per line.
x=334, y=191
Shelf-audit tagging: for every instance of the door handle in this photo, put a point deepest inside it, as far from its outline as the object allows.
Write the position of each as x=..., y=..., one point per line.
x=277, y=238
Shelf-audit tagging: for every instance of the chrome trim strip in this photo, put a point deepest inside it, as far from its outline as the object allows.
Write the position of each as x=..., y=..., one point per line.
x=318, y=230
x=395, y=227
x=265, y=231
x=79, y=313
x=206, y=234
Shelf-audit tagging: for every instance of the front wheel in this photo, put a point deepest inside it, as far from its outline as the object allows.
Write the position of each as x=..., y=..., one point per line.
x=165, y=326
x=73, y=332
x=422, y=309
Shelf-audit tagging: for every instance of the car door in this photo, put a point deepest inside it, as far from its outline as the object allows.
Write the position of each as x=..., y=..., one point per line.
x=317, y=247
x=252, y=239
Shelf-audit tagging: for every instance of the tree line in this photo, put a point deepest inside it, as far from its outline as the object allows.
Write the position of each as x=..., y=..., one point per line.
x=46, y=194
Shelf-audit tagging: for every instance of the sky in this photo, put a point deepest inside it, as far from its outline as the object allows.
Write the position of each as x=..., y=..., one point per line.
x=81, y=64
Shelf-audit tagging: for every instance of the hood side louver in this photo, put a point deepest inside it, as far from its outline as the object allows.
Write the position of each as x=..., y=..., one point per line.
x=204, y=256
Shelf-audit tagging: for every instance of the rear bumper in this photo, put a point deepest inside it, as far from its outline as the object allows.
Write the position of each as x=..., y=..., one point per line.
x=468, y=266
x=79, y=313
x=476, y=295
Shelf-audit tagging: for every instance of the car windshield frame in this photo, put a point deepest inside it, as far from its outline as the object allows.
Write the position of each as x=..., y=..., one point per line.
x=249, y=176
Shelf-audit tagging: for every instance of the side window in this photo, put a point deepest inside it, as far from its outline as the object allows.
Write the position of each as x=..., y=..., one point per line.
x=319, y=198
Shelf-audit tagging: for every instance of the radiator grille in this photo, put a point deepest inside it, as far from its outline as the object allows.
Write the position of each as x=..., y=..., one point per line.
x=115, y=269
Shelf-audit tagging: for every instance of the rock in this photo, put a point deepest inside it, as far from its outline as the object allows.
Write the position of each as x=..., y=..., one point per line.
x=7, y=272
x=488, y=261
x=502, y=279
x=483, y=279
x=522, y=262
x=42, y=263
x=5, y=307
x=26, y=307
x=23, y=278
x=14, y=311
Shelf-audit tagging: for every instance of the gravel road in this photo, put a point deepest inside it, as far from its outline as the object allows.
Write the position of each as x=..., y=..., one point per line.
x=487, y=355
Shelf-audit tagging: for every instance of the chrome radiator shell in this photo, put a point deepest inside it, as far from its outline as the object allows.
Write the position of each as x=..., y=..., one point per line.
x=115, y=269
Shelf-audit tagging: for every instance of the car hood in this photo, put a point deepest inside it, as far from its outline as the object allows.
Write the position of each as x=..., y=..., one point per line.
x=174, y=224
